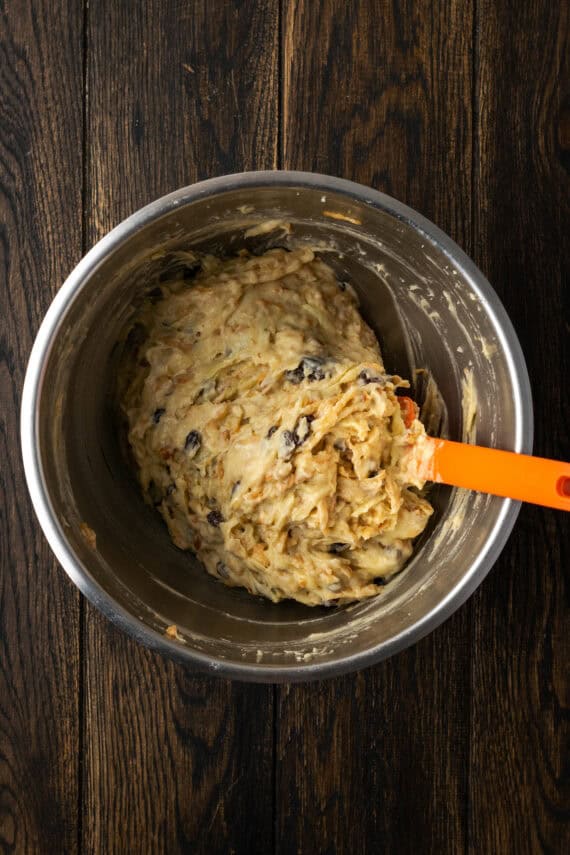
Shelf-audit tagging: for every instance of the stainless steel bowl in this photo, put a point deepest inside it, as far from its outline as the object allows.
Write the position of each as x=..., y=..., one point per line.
x=76, y=472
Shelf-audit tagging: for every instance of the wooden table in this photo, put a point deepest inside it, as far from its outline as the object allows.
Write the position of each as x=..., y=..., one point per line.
x=460, y=108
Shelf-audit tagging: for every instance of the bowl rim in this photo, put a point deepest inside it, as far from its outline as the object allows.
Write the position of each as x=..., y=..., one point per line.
x=35, y=373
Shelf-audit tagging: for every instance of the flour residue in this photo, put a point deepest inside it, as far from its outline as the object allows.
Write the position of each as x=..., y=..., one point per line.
x=468, y=406
x=88, y=535
x=337, y=215
x=487, y=349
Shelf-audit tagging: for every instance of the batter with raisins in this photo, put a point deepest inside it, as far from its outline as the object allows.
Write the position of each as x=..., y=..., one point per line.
x=267, y=433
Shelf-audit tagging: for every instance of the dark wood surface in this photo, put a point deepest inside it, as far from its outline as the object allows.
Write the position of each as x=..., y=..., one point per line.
x=460, y=109
x=41, y=97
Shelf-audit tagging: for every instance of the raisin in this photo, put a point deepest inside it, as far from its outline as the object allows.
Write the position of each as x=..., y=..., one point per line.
x=158, y=414
x=292, y=439
x=289, y=438
x=189, y=271
x=295, y=375
x=215, y=518
x=303, y=429
x=271, y=431
x=366, y=376
x=313, y=366
x=222, y=570
x=288, y=444
x=207, y=391
x=317, y=374
x=155, y=295
x=193, y=443
x=337, y=548
x=310, y=368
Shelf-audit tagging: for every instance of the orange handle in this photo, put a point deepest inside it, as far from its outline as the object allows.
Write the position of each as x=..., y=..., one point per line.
x=502, y=473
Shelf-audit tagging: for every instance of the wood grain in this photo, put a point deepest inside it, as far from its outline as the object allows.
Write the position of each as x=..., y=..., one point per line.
x=382, y=93
x=521, y=646
x=40, y=241
x=176, y=93
x=174, y=762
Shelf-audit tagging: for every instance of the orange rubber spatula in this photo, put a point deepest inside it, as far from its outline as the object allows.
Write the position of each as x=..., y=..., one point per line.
x=502, y=473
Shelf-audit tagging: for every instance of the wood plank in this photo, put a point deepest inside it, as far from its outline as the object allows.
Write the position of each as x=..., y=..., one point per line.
x=40, y=241
x=174, y=762
x=376, y=762
x=518, y=781
x=381, y=92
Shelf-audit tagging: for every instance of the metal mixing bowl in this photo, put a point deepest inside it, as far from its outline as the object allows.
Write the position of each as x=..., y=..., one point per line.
x=76, y=473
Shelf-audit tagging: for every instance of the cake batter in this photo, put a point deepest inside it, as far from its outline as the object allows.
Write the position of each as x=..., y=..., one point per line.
x=267, y=433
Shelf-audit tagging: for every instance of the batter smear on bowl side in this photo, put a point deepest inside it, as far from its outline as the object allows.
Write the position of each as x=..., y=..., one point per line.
x=266, y=431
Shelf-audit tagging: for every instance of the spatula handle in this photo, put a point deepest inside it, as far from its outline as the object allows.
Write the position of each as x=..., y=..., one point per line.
x=502, y=473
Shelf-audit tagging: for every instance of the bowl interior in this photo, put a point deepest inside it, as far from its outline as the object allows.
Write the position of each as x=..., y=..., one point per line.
x=429, y=313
